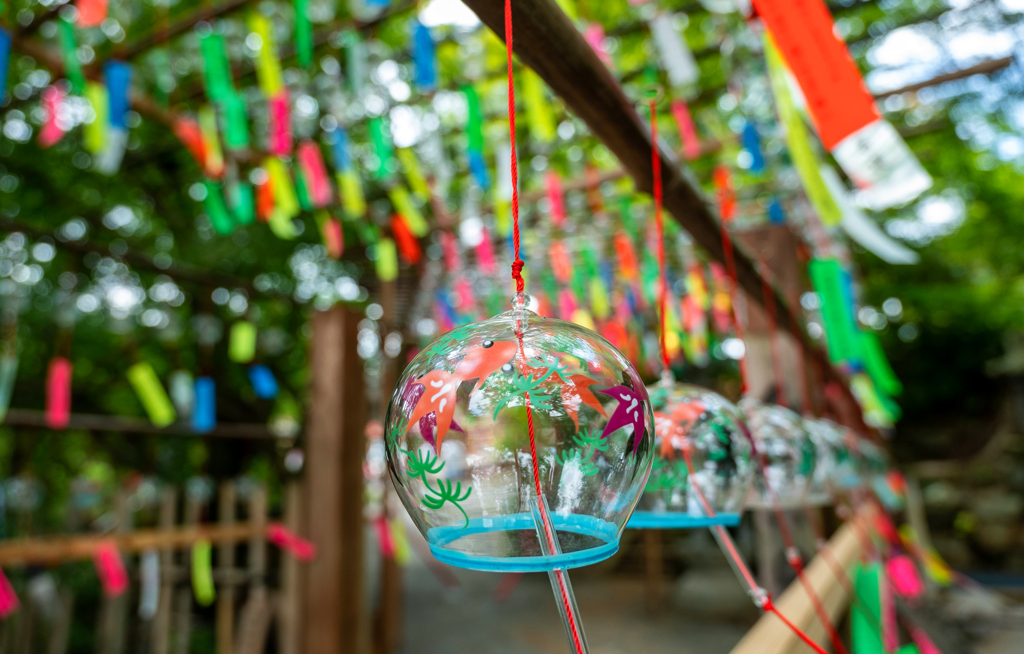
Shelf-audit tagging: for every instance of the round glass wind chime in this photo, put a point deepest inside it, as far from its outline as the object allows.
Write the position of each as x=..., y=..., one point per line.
x=557, y=431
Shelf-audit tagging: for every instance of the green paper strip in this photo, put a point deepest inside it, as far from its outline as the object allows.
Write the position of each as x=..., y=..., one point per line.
x=877, y=365
x=8, y=373
x=843, y=337
x=800, y=151
x=866, y=614
x=538, y=109
x=69, y=50
x=405, y=206
x=303, y=34
x=387, y=260
x=216, y=68
x=474, y=122
x=352, y=199
x=151, y=394
x=243, y=203
x=380, y=136
x=242, y=343
x=202, y=573
x=216, y=210
x=414, y=173
x=355, y=60
x=236, y=134
x=96, y=131
x=301, y=192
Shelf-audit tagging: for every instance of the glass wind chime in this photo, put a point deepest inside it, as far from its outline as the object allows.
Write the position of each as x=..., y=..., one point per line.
x=555, y=428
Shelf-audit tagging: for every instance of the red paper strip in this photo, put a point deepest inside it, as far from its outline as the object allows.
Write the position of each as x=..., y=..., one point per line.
x=561, y=263
x=837, y=99
x=91, y=13
x=8, y=598
x=687, y=129
x=485, y=253
x=191, y=136
x=407, y=244
x=58, y=393
x=334, y=237
x=923, y=642
x=890, y=632
x=265, y=200
x=566, y=304
x=302, y=549
x=52, y=129
x=110, y=568
x=726, y=195
x=280, y=124
x=557, y=198
x=627, y=255
x=314, y=172
x=384, y=539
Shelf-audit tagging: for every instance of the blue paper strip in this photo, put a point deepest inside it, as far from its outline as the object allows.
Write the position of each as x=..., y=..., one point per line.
x=264, y=384
x=118, y=75
x=752, y=144
x=204, y=412
x=5, y=60
x=478, y=167
x=339, y=148
x=423, y=56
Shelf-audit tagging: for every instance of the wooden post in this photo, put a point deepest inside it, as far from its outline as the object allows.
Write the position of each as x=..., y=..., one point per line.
x=61, y=629
x=256, y=614
x=161, y=634
x=113, y=610
x=654, y=559
x=334, y=615
x=183, y=600
x=289, y=609
x=225, y=623
x=388, y=621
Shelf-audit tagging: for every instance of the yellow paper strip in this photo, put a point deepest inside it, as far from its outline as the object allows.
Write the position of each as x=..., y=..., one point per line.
x=414, y=173
x=96, y=131
x=268, y=69
x=387, y=260
x=351, y=194
x=410, y=212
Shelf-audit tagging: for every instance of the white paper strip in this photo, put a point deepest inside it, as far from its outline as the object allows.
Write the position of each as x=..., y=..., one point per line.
x=149, y=582
x=109, y=160
x=883, y=168
x=676, y=56
x=861, y=228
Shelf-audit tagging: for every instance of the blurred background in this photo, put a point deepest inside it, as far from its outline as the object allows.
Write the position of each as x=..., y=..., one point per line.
x=228, y=225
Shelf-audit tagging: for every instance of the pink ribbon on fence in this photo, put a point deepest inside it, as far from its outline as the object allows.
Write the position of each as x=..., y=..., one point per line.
x=58, y=393
x=110, y=569
x=299, y=547
x=8, y=598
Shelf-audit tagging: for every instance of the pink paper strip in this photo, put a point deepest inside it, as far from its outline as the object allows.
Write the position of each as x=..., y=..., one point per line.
x=314, y=171
x=110, y=569
x=290, y=542
x=923, y=642
x=280, y=124
x=58, y=393
x=334, y=238
x=890, y=633
x=8, y=598
x=485, y=253
x=52, y=129
x=557, y=198
x=384, y=540
x=594, y=34
x=467, y=299
x=687, y=129
x=904, y=576
x=566, y=304
x=450, y=245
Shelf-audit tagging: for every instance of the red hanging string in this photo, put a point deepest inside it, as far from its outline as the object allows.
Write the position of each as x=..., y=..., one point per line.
x=517, y=275
x=660, y=223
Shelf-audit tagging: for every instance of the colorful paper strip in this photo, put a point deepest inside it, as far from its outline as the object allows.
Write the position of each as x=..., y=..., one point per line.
x=151, y=394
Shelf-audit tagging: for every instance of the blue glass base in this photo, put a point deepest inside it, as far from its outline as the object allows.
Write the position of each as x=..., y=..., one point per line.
x=679, y=520
x=605, y=531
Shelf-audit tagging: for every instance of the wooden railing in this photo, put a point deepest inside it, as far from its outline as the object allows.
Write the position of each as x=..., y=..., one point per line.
x=770, y=636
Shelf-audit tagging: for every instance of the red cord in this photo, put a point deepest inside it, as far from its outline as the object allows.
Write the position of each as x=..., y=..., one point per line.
x=770, y=607
x=517, y=263
x=658, y=220
x=517, y=275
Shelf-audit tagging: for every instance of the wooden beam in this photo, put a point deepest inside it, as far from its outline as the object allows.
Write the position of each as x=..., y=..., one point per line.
x=51, y=550
x=546, y=40
x=770, y=636
x=334, y=611
x=984, y=68
x=89, y=422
